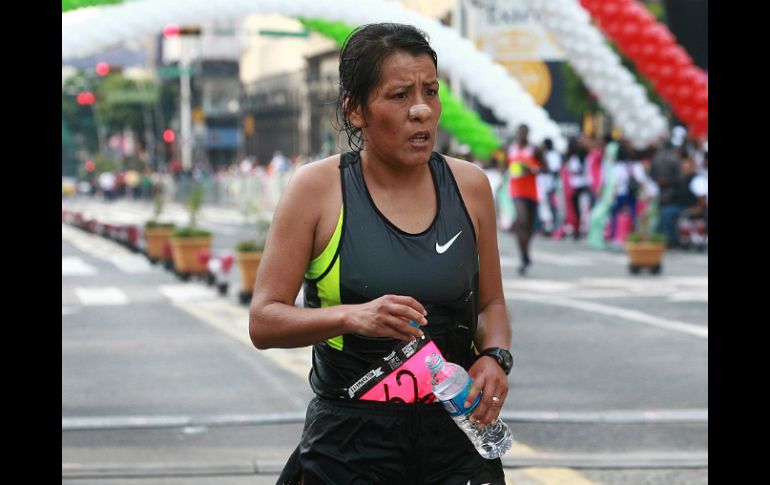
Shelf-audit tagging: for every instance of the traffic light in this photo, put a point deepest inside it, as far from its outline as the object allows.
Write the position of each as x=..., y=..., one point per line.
x=102, y=69
x=170, y=31
x=169, y=136
x=190, y=30
x=86, y=99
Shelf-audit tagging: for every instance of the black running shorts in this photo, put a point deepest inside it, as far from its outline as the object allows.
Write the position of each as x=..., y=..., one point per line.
x=366, y=442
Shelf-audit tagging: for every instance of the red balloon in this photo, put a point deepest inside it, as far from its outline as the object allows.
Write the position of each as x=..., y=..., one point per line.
x=699, y=129
x=591, y=5
x=659, y=35
x=701, y=99
x=636, y=13
x=701, y=116
x=609, y=11
x=649, y=52
x=688, y=76
x=666, y=72
x=633, y=50
x=612, y=28
x=629, y=32
x=649, y=69
x=683, y=94
x=681, y=58
x=685, y=112
x=667, y=90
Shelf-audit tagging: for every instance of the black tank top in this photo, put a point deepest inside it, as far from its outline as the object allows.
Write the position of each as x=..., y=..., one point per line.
x=368, y=257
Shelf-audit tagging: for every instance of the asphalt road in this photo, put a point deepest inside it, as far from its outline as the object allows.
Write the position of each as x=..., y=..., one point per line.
x=161, y=385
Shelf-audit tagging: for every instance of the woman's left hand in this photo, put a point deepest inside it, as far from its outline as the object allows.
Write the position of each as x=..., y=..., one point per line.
x=490, y=380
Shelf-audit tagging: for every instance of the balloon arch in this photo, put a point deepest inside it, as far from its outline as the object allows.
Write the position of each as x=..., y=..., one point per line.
x=87, y=31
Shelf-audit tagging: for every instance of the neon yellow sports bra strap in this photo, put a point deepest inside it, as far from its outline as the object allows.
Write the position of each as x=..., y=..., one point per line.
x=319, y=265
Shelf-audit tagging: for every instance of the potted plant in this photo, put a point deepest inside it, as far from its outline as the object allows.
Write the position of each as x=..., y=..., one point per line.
x=190, y=241
x=249, y=254
x=157, y=234
x=645, y=250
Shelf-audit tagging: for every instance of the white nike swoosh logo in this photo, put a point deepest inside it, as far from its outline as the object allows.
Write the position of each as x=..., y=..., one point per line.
x=441, y=249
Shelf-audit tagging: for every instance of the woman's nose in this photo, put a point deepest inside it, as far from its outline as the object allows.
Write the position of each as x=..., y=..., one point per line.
x=420, y=111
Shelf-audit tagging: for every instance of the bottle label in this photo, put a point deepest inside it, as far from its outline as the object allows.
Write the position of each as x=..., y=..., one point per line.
x=456, y=405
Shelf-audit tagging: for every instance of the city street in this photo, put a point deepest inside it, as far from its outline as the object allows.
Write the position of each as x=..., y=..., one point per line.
x=160, y=382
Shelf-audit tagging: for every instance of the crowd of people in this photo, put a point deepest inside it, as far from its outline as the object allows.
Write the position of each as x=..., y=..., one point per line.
x=540, y=189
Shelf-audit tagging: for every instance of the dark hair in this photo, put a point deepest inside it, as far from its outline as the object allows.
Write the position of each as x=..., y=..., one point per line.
x=361, y=60
x=548, y=144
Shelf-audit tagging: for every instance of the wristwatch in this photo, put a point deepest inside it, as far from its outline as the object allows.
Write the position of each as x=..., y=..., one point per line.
x=502, y=356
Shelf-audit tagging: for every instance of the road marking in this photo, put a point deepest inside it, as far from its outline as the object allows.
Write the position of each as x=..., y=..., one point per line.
x=105, y=250
x=654, y=416
x=546, y=476
x=74, y=266
x=234, y=321
x=672, y=288
x=131, y=263
x=110, y=295
x=623, y=313
x=187, y=292
x=69, y=310
x=547, y=258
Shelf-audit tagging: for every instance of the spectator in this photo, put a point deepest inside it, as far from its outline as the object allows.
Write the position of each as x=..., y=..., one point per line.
x=579, y=181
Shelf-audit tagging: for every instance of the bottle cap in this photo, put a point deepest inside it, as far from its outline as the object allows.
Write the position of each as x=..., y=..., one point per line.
x=434, y=361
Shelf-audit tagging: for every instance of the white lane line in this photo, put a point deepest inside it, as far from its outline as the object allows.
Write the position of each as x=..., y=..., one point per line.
x=673, y=288
x=547, y=258
x=74, y=266
x=131, y=263
x=69, y=310
x=623, y=313
x=110, y=295
x=615, y=416
x=105, y=250
x=182, y=293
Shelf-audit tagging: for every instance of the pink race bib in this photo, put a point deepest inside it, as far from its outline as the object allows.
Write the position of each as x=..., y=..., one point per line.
x=401, y=376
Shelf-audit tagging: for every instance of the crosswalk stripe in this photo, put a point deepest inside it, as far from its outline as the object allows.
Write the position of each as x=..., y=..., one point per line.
x=101, y=296
x=131, y=263
x=74, y=266
x=185, y=292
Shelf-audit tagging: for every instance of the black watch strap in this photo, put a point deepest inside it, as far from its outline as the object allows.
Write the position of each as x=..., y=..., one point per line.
x=502, y=356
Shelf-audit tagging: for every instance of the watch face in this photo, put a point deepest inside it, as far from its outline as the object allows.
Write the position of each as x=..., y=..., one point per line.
x=507, y=359
x=503, y=357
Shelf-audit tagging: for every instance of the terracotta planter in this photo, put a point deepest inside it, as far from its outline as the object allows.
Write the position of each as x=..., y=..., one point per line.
x=156, y=238
x=645, y=255
x=185, y=253
x=248, y=263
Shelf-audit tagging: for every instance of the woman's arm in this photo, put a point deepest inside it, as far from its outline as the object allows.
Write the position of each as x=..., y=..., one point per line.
x=494, y=328
x=312, y=193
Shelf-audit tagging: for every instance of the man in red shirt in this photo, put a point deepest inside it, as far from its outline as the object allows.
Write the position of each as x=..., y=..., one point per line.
x=525, y=161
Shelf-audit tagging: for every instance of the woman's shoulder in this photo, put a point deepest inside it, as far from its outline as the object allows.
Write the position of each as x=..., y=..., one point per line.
x=463, y=167
x=318, y=174
x=468, y=175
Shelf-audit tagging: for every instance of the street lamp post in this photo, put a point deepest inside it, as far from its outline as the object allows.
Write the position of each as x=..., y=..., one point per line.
x=186, y=112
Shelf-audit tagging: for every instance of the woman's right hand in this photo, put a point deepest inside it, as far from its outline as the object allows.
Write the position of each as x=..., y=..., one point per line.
x=387, y=316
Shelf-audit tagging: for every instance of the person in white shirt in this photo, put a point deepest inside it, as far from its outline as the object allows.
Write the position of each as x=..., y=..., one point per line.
x=546, y=187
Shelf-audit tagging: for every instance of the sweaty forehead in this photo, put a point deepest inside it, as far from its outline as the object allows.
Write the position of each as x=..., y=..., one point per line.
x=402, y=67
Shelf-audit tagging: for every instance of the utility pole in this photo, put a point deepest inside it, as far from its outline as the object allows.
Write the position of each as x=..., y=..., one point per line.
x=186, y=113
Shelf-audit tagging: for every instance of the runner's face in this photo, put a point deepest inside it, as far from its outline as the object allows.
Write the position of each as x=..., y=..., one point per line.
x=399, y=123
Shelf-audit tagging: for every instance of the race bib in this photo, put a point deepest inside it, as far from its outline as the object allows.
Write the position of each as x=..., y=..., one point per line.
x=516, y=168
x=400, y=376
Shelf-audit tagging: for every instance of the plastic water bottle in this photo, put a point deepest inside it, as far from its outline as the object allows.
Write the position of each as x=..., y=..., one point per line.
x=451, y=384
